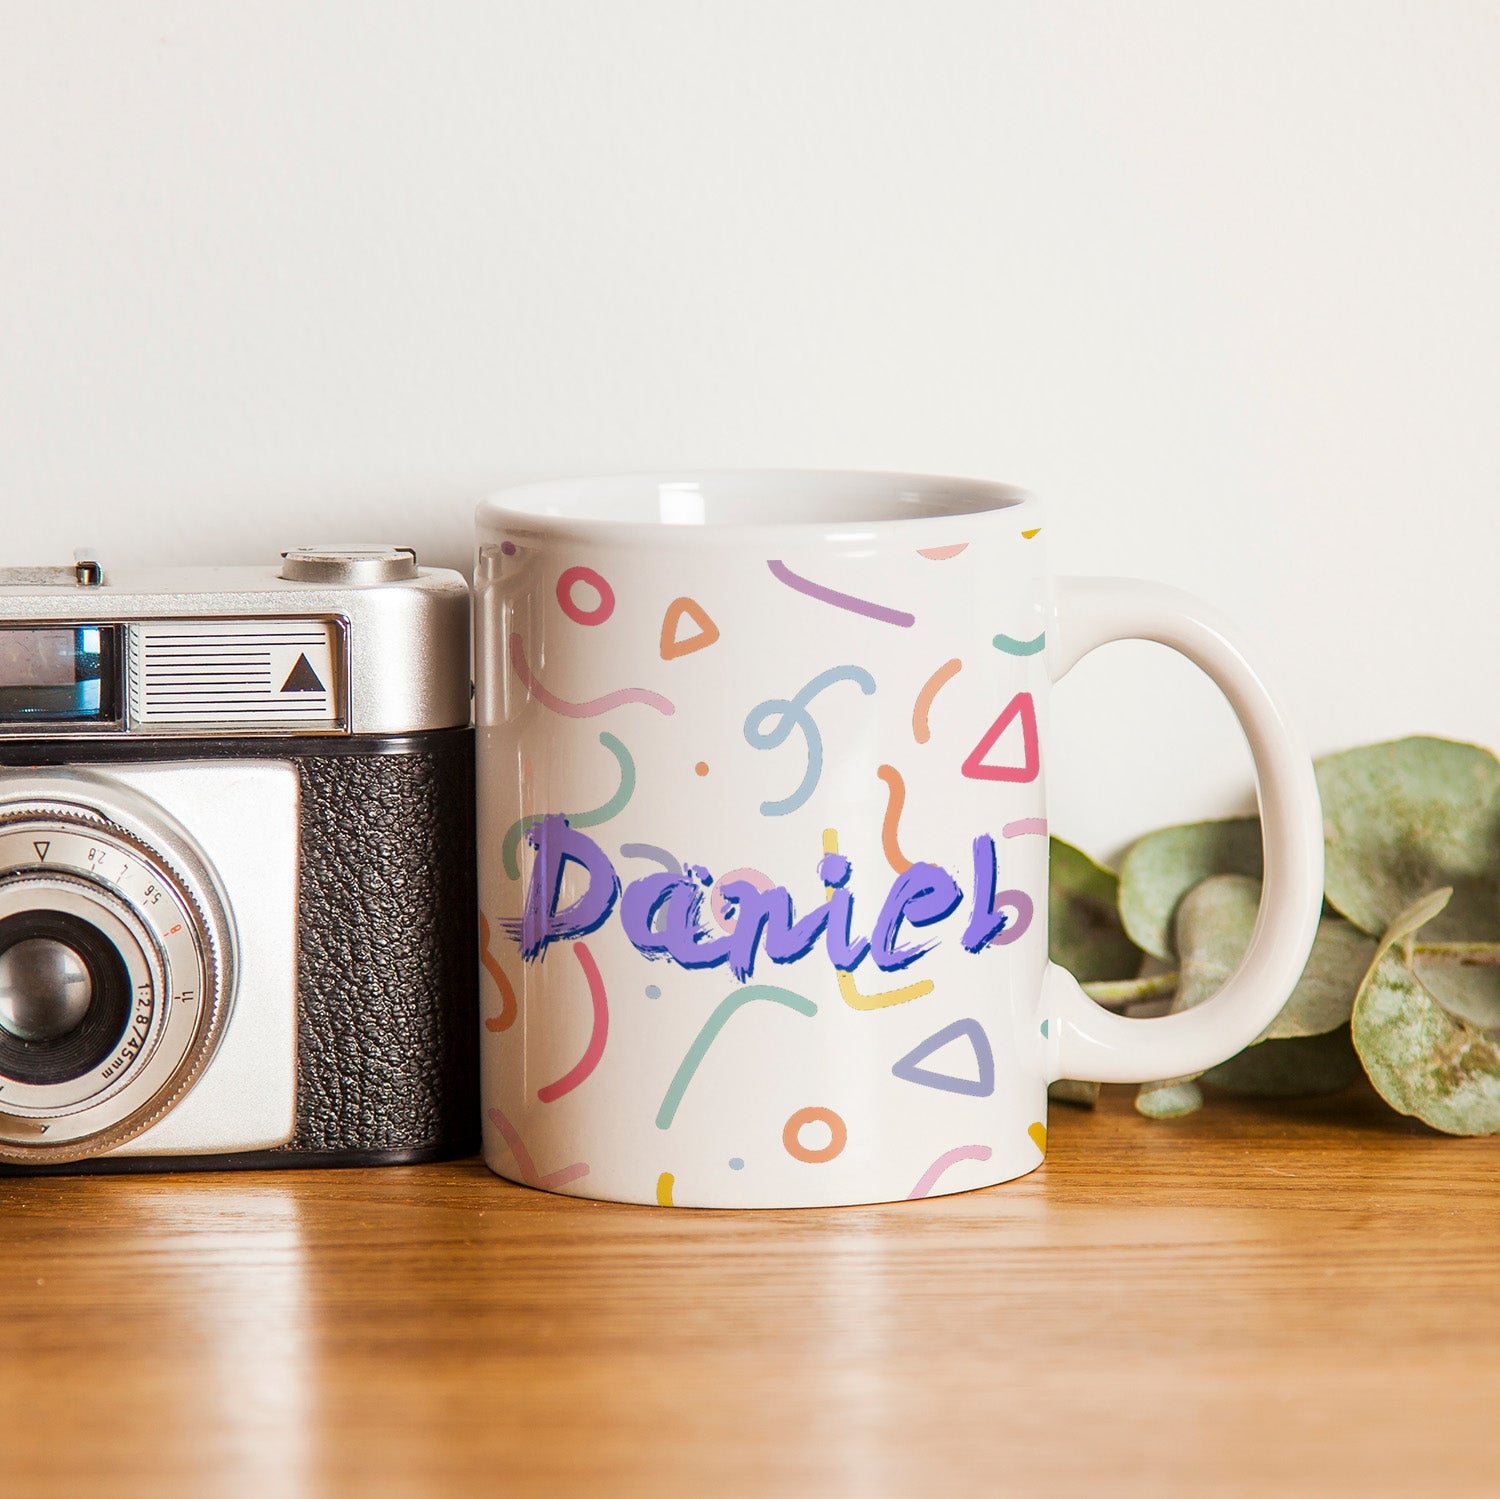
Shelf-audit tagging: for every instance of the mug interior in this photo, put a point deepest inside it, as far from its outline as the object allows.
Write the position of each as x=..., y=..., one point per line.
x=768, y=497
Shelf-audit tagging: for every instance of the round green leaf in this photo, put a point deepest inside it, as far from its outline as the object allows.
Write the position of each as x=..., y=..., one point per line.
x=1080, y=1094
x=1402, y=819
x=1169, y=1100
x=1422, y=1060
x=1213, y=928
x=1084, y=931
x=1301, y=1067
x=1161, y=868
x=1406, y=817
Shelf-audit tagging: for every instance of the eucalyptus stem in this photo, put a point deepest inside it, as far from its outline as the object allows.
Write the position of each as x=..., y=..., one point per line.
x=1464, y=954
x=1119, y=994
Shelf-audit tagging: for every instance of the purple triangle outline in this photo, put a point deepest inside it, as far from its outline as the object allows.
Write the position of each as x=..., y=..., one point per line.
x=981, y=1087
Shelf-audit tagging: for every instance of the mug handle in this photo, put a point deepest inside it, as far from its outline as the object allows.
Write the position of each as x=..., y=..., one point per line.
x=1087, y=1041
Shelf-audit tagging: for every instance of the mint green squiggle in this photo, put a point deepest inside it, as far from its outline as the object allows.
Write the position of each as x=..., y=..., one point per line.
x=1013, y=647
x=710, y=1032
x=612, y=808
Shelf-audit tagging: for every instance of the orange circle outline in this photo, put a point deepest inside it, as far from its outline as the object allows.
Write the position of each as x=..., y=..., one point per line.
x=838, y=1131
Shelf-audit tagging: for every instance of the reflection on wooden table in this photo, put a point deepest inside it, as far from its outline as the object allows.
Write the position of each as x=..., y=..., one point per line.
x=1301, y=1298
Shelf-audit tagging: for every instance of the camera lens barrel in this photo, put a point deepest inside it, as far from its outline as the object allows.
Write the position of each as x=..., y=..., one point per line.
x=114, y=973
x=46, y=989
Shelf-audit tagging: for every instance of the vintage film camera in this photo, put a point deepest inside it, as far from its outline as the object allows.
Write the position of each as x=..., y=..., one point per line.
x=237, y=906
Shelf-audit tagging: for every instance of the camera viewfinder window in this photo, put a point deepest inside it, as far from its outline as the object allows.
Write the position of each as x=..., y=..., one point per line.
x=58, y=674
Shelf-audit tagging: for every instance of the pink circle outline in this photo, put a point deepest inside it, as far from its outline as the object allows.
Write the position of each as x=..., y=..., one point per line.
x=720, y=907
x=574, y=575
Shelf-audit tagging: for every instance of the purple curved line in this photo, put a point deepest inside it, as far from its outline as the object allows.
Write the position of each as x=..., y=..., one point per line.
x=1024, y=825
x=948, y=1158
x=783, y=573
x=595, y=705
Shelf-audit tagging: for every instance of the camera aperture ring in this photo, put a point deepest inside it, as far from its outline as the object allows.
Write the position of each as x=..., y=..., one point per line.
x=159, y=909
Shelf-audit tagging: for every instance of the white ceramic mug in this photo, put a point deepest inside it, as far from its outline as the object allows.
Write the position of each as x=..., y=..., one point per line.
x=763, y=840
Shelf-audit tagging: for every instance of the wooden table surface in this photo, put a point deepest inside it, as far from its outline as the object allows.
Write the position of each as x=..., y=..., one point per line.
x=1257, y=1300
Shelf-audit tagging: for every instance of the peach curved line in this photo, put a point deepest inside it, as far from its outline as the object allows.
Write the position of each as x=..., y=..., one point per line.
x=929, y=1178
x=945, y=673
x=507, y=1016
x=942, y=554
x=594, y=706
x=595, y=1049
x=894, y=803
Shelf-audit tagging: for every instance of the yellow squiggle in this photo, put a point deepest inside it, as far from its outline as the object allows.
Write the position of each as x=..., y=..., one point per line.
x=664, y=1184
x=847, y=991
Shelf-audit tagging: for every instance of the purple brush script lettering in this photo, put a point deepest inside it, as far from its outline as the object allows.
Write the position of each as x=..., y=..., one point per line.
x=662, y=913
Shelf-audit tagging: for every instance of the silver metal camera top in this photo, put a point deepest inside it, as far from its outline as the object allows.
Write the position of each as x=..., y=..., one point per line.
x=353, y=564
x=352, y=639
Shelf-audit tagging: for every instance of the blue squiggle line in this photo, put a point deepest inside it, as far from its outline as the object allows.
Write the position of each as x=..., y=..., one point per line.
x=651, y=851
x=791, y=713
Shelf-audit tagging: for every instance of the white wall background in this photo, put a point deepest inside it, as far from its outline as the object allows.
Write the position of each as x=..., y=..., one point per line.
x=1220, y=280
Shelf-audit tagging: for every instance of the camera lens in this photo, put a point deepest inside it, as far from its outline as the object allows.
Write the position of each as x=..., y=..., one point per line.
x=64, y=997
x=45, y=989
x=115, y=971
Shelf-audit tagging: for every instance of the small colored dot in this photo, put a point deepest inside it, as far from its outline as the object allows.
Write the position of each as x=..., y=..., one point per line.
x=701, y=767
x=508, y=547
x=652, y=992
x=736, y=1164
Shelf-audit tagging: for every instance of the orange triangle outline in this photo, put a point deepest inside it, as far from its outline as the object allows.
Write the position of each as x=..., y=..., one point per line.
x=708, y=631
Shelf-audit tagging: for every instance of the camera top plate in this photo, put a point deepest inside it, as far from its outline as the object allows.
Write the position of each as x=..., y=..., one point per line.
x=347, y=640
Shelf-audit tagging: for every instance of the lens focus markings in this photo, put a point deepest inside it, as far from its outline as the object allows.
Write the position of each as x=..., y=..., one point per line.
x=82, y=859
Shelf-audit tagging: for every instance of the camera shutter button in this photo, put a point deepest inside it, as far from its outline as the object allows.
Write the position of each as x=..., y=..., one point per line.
x=45, y=989
x=351, y=563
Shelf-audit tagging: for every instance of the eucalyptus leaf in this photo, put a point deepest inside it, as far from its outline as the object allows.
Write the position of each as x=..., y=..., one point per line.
x=1406, y=817
x=1163, y=866
x=1402, y=819
x=1299, y=1067
x=1213, y=928
x=1169, y=1100
x=1411, y=921
x=1081, y=1095
x=1084, y=931
x=1422, y=1060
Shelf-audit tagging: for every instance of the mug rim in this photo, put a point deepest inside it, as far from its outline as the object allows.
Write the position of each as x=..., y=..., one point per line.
x=939, y=504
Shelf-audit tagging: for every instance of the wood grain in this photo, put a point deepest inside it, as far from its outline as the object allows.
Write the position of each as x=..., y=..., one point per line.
x=1254, y=1300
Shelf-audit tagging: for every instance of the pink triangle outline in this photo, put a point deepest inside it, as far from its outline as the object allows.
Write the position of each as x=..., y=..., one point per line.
x=1022, y=706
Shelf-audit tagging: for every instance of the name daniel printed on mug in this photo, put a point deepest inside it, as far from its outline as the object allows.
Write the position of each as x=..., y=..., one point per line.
x=802, y=873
